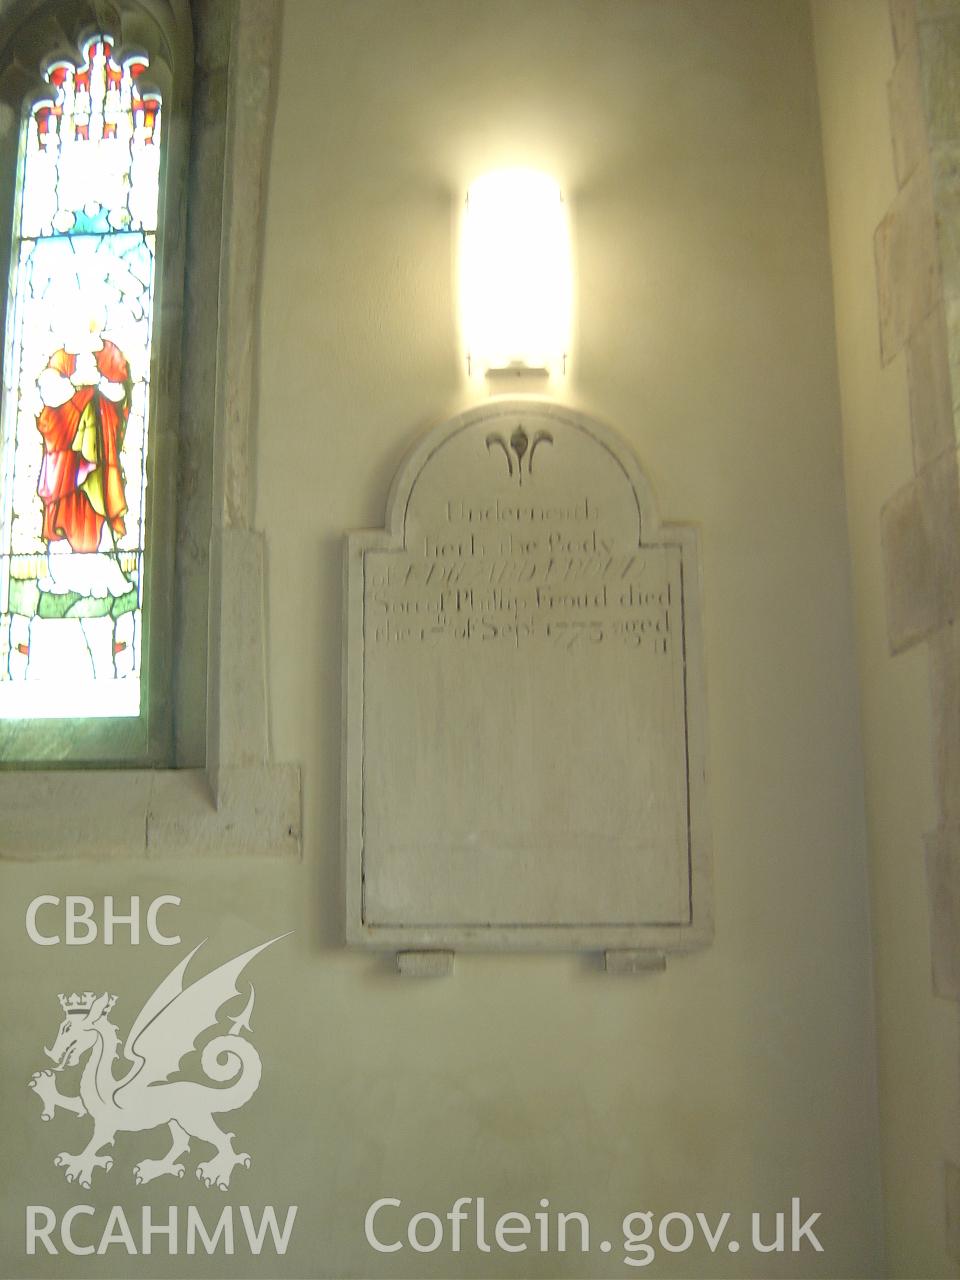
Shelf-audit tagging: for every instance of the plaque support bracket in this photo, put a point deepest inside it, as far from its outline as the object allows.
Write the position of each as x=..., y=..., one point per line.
x=634, y=961
x=424, y=964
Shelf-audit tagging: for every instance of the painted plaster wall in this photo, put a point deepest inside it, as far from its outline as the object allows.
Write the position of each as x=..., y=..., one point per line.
x=919, y=1096
x=687, y=137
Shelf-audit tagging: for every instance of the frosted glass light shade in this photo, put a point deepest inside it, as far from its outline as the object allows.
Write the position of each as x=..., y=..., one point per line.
x=515, y=273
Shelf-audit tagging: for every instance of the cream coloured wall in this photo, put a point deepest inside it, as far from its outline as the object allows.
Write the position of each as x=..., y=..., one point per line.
x=686, y=134
x=918, y=1048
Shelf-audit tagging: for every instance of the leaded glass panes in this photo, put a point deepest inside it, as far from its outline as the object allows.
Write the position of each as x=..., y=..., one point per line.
x=73, y=467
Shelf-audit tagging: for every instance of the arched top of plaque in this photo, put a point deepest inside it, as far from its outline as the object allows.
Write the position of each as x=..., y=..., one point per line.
x=523, y=699
x=512, y=446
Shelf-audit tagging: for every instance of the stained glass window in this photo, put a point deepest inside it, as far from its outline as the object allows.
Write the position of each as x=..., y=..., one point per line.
x=76, y=393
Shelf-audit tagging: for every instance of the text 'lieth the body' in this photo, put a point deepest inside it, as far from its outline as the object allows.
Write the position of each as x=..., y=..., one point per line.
x=521, y=573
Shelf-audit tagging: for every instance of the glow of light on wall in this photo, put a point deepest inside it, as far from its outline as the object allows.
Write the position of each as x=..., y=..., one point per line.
x=515, y=273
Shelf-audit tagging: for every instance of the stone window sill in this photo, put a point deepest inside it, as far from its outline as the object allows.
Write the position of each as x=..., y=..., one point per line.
x=144, y=813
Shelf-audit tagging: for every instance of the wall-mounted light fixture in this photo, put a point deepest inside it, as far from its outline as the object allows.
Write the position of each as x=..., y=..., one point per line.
x=515, y=274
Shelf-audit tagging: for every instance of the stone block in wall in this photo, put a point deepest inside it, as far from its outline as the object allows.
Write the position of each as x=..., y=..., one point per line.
x=951, y=308
x=903, y=20
x=908, y=263
x=945, y=170
x=908, y=122
x=943, y=888
x=933, y=369
x=952, y=1188
x=920, y=537
x=952, y=1179
x=939, y=50
x=935, y=10
x=257, y=812
x=944, y=650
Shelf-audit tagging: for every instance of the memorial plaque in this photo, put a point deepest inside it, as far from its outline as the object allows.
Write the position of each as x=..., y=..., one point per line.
x=524, y=754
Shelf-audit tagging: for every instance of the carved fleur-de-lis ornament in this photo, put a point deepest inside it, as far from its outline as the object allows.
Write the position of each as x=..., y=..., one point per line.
x=519, y=446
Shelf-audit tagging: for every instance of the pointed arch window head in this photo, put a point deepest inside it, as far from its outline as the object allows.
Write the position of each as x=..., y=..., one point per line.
x=75, y=424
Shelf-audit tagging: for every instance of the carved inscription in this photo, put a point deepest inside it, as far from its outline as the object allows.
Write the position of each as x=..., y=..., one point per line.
x=524, y=573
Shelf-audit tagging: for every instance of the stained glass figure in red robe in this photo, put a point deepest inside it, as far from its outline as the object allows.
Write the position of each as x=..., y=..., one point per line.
x=85, y=390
